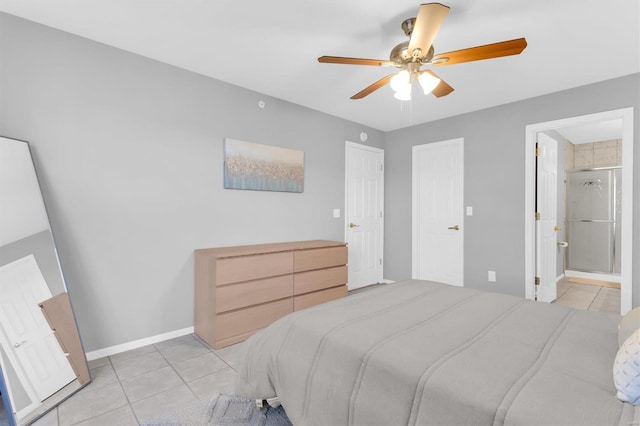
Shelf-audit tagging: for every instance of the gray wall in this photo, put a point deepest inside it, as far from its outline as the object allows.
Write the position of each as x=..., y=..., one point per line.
x=129, y=152
x=494, y=180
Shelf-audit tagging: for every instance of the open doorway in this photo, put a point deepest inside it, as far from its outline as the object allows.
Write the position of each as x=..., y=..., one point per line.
x=594, y=205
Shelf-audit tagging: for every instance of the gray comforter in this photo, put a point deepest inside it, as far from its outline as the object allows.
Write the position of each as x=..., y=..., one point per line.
x=418, y=352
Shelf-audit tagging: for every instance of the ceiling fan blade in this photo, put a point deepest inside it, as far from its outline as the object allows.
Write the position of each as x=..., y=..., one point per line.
x=442, y=89
x=354, y=61
x=428, y=22
x=488, y=51
x=373, y=87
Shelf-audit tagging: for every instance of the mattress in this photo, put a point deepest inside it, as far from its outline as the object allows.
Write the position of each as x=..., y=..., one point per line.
x=418, y=352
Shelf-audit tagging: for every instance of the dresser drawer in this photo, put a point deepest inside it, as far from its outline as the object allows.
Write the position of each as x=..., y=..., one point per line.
x=306, y=282
x=247, y=268
x=307, y=260
x=235, y=296
x=317, y=297
x=249, y=319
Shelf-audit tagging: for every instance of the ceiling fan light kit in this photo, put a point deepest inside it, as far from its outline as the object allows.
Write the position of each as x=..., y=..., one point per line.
x=411, y=55
x=401, y=83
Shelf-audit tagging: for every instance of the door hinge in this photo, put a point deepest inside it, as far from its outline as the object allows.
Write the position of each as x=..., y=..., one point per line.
x=537, y=280
x=538, y=150
x=381, y=261
x=381, y=167
x=537, y=215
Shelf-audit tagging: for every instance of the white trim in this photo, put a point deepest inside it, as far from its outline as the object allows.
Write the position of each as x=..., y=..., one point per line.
x=385, y=281
x=593, y=276
x=414, y=203
x=626, y=114
x=559, y=277
x=20, y=415
x=112, y=350
x=380, y=151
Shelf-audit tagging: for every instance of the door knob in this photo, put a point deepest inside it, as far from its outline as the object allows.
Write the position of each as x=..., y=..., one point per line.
x=455, y=228
x=556, y=228
x=353, y=225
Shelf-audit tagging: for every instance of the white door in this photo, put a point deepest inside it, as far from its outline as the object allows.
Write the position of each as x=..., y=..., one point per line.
x=438, y=171
x=27, y=339
x=364, y=203
x=547, y=226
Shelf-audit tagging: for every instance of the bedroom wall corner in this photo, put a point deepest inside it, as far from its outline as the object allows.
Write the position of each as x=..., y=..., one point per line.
x=129, y=152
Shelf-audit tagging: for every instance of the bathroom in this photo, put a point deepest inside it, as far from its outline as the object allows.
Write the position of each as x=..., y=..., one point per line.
x=592, y=206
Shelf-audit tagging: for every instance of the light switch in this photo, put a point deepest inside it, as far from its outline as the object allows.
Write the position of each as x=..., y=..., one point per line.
x=492, y=276
x=469, y=211
x=336, y=213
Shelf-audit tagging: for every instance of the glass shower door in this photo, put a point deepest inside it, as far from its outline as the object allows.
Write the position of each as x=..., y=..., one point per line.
x=591, y=217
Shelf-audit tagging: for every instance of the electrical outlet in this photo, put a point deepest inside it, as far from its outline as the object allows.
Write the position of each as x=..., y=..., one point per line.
x=492, y=276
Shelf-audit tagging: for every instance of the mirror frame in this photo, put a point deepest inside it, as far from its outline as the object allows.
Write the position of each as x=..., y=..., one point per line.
x=68, y=390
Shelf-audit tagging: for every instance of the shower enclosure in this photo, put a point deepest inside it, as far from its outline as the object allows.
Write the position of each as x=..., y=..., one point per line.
x=593, y=220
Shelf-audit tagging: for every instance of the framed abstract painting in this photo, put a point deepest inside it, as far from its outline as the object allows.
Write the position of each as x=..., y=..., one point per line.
x=259, y=167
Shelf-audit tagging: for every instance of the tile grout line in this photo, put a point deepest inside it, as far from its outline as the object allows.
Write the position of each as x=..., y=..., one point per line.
x=117, y=408
x=177, y=373
x=115, y=371
x=594, y=298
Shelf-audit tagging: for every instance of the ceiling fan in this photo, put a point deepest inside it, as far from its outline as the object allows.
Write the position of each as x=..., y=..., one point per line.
x=411, y=55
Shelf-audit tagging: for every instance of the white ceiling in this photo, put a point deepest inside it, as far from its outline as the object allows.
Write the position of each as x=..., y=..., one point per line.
x=271, y=46
x=593, y=132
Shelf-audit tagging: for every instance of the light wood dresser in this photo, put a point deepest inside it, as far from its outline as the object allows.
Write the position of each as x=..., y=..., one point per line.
x=57, y=310
x=240, y=290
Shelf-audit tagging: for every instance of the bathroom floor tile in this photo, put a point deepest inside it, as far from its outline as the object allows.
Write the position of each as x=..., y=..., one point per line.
x=187, y=348
x=147, y=384
x=155, y=406
x=122, y=416
x=90, y=402
x=222, y=381
x=131, y=367
x=101, y=376
x=199, y=366
x=133, y=353
x=233, y=354
x=100, y=362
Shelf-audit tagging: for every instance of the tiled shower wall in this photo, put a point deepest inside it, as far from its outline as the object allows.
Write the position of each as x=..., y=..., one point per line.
x=596, y=154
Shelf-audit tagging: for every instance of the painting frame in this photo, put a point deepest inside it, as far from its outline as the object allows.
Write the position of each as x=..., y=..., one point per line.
x=259, y=167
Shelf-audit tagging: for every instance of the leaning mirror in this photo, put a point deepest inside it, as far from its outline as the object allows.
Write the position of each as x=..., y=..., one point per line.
x=41, y=356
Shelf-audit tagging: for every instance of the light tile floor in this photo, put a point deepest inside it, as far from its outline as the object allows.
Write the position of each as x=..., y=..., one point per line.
x=141, y=385
x=588, y=297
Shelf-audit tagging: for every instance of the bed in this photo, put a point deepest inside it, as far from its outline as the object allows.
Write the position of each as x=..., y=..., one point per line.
x=418, y=352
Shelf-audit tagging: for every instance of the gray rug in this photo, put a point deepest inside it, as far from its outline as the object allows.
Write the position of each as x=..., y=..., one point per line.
x=223, y=410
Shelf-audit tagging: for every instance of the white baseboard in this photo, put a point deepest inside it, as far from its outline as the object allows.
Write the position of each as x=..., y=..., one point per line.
x=593, y=276
x=112, y=350
x=559, y=277
x=385, y=281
